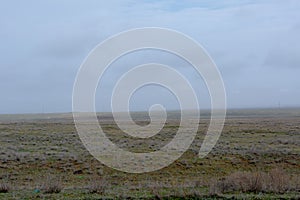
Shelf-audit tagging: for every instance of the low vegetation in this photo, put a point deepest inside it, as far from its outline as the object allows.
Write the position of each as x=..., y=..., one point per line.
x=52, y=184
x=97, y=185
x=4, y=187
x=257, y=156
x=276, y=181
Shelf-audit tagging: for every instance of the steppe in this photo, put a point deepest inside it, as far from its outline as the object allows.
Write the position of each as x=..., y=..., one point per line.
x=256, y=157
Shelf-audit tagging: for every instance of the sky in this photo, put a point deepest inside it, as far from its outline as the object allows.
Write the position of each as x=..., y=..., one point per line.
x=255, y=44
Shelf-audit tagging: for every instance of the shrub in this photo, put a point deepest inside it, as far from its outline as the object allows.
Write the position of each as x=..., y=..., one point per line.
x=279, y=181
x=252, y=182
x=156, y=189
x=97, y=185
x=238, y=181
x=276, y=181
x=4, y=187
x=214, y=188
x=52, y=184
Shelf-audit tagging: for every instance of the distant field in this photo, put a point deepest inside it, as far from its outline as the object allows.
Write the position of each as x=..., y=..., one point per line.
x=257, y=156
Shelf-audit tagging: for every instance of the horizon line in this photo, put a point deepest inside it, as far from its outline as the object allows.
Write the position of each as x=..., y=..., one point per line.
x=171, y=110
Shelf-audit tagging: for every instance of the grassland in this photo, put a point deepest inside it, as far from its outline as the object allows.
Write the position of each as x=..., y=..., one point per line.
x=42, y=157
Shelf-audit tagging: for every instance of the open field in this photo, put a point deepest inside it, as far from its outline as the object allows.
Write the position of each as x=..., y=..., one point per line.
x=257, y=156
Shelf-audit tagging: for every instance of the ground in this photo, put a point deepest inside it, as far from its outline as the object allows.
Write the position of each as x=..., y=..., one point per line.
x=42, y=149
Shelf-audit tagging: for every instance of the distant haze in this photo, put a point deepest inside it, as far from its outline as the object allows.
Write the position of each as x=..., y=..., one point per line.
x=255, y=44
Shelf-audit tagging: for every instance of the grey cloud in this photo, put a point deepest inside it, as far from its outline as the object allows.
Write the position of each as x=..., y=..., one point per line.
x=284, y=53
x=255, y=44
x=67, y=46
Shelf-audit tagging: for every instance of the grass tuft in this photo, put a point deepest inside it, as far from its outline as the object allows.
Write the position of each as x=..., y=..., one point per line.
x=52, y=184
x=4, y=187
x=97, y=185
x=276, y=181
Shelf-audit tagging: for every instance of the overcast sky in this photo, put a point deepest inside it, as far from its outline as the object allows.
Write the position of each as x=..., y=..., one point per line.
x=255, y=44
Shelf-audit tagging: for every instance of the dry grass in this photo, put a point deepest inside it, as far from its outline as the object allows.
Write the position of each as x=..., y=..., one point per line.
x=276, y=181
x=279, y=181
x=32, y=148
x=156, y=189
x=52, y=184
x=239, y=181
x=97, y=185
x=4, y=187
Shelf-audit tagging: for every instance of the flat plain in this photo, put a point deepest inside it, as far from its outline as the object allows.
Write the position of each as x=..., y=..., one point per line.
x=256, y=157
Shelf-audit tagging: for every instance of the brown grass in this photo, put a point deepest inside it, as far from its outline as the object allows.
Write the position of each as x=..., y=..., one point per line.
x=4, y=187
x=31, y=149
x=97, y=185
x=52, y=184
x=279, y=181
x=276, y=181
x=240, y=181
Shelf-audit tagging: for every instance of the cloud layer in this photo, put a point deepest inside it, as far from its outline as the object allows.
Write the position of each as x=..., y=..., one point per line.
x=256, y=46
